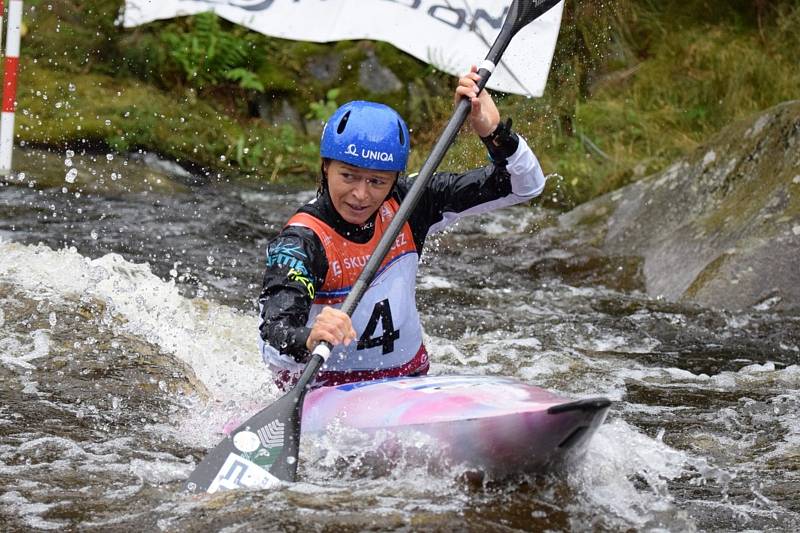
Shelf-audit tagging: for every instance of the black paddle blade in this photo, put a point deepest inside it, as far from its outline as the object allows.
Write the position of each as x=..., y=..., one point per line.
x=520, y=14
x=527, y=11
x=260, y=453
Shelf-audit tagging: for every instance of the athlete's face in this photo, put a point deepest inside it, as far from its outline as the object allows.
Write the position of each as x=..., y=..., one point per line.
x=357, y=192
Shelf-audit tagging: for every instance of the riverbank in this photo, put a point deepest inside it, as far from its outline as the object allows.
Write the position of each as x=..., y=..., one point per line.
x=631, y=88
x=719, y=228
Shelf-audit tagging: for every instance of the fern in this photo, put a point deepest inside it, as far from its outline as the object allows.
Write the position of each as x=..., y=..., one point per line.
x=206, y=54
x=246, y=78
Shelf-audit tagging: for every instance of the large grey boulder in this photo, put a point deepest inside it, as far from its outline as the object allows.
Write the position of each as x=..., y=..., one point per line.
x=720, y=227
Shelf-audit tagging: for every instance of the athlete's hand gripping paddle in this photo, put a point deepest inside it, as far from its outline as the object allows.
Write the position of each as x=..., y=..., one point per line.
x=263, y=451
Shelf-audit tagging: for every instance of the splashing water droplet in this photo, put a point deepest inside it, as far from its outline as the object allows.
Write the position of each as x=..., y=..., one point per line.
x=109, y=157
x=71, y=175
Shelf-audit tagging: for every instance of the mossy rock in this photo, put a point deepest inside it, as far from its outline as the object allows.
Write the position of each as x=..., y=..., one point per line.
x=61, y=109
x=95, y=111
x=720, y=227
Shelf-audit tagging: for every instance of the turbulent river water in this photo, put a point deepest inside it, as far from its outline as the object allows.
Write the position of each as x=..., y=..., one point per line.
x=128, y=339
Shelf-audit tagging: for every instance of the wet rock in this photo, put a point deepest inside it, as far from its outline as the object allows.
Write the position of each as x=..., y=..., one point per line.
x=719, y=227
x=277, y=111
x=620, y=272
x=376, y=78
x=325, y=68
x=81, y=172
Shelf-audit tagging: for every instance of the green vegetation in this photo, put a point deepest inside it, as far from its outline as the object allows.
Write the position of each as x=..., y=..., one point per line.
x=655, y=80
x=323, y=109
x=633, y=86
x=208, y=55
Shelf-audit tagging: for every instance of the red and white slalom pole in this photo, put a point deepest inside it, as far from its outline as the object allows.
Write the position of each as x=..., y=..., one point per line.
x=10, y=85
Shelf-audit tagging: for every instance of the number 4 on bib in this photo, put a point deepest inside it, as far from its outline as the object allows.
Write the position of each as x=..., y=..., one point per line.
x=381, y=312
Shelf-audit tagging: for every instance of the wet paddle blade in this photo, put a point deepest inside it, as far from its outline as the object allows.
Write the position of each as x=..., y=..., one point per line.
x=260, y=453
x=528, y=11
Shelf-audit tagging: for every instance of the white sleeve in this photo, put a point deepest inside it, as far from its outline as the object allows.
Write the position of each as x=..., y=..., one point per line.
x=527, y=178
x=527, y=182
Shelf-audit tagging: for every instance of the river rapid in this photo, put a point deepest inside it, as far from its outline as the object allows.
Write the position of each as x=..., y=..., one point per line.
x=128, y=339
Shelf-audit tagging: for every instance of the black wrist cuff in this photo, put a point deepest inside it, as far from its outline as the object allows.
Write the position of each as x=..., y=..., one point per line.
x=502, y=142
x=301, y=353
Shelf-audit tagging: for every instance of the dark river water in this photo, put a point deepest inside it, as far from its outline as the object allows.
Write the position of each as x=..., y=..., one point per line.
x=128, y=339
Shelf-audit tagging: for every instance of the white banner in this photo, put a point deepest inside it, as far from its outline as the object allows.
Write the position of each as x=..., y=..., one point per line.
x=449, y=34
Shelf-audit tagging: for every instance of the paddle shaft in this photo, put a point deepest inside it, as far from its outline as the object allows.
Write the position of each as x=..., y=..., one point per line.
x=521, y=12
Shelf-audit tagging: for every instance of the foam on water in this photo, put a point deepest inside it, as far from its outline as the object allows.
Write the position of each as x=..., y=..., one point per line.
x=608, y=480
x=620, y=457
x=400, y=473
x=617, y=457
x=160, y=471
x=428, y=282
x=15, y=352
x=508, y=221
x=30, y=511
x=751, y=377
x=216, y=341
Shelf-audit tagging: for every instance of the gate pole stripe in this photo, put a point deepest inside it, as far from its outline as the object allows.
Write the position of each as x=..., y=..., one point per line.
x=11, y=68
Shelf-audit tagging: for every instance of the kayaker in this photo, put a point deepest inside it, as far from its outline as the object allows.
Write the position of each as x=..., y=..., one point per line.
x=314, y=261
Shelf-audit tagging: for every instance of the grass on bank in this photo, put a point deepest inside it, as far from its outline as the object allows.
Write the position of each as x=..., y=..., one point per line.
x=98, y=112
x=668, y=76
x=633, y=86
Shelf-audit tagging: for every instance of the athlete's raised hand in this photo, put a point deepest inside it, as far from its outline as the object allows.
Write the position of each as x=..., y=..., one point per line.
x=484, y=116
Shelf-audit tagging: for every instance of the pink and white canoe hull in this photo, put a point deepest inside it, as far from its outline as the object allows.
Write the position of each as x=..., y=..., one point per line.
x=496, y=424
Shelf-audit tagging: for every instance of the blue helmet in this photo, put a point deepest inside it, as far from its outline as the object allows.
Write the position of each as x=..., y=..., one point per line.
x=367, y=135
